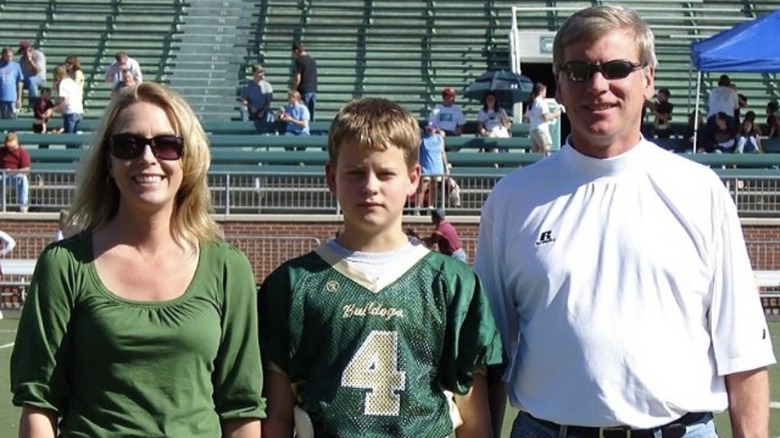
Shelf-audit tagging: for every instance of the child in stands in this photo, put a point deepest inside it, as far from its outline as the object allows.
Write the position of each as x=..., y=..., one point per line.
x=363, y=335
x=40, y=106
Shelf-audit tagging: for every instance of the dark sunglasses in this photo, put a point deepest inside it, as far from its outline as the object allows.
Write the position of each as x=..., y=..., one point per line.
x=132, y=146
x=581, y=71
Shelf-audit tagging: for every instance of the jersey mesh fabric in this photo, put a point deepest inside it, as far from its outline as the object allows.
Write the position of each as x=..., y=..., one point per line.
x=374, y=363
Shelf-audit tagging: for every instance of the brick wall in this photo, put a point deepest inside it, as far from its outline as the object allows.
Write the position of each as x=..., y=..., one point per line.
x=267, y=244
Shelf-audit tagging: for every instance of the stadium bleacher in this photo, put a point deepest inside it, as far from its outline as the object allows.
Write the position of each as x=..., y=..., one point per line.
x=403, y=50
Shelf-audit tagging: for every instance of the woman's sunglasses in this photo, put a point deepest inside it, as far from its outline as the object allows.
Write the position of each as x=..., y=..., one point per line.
x=581, y=71
x=132, y=146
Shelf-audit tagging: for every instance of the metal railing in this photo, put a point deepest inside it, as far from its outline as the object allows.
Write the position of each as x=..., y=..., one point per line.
x=306, y=192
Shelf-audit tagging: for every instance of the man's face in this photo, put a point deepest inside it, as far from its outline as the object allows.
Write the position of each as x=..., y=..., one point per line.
x=605, y=113
x=122, y=60
x=8, y=56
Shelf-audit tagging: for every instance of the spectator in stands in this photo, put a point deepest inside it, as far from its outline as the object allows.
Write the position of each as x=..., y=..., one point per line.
x=617, y=272
x=295, y=115
x=448, y=116
x=122, y=61
x=11, y=83
x=128, y=80
x=539, y=116
x=374, y=303
x=693, y=130
x=70, y=102
x=73, y=66
x=15, y=163
x=743, y=103
x=33, y=64
x=492, y=120
x=40, y=108
x=749, y=137
x=445, y=237
x=433, y=166
x=256, y=97
x=305, y=77
x=662, y=124
x=772, y=120
x=149, y=311
x=723, y=99
x=724, y=135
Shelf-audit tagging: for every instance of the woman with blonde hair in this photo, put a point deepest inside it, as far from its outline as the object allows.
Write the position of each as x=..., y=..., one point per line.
x=73, y=67
x=144, y=323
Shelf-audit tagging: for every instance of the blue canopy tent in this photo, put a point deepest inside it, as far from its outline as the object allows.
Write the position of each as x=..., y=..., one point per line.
x=752, y=46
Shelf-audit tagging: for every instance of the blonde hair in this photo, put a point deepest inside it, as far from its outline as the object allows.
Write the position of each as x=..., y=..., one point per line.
x=592, y=23
x=60, y=72
x=294, y=94
x=375, y=124
x=97, y=196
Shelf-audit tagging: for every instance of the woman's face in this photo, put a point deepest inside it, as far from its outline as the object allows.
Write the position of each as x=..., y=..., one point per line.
x=146, y=183
x=490, y=100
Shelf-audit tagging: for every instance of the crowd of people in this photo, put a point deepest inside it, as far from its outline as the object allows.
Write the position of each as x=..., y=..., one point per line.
x=724, y=130
x=612, y=296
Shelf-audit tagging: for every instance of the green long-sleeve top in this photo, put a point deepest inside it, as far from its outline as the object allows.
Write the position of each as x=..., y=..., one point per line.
x=113, y=367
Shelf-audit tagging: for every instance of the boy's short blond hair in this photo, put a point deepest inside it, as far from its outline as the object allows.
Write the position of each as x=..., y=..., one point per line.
x=375, y=124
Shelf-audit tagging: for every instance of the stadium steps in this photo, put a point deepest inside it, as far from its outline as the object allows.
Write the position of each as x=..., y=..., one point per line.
x=208, y=60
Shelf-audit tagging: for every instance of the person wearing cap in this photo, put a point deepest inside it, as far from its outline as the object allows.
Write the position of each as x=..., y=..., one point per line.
x=448, y=116
x=123, y=61
x=15, y=163
x=11, y=82
x=33, y=63
x=445, y=237
x=256, y=97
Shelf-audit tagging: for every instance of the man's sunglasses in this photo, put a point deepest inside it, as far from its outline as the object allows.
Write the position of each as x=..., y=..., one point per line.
x=581, y=71
x=132, y=146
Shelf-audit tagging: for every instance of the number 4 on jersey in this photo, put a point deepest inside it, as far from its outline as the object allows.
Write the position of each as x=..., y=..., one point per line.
x=375, y=367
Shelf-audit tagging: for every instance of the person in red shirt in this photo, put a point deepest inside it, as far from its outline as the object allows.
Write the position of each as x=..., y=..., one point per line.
x=15, y=163
x=445, y=237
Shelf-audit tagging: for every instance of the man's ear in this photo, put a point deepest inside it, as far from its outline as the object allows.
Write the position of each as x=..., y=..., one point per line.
x=648, y=75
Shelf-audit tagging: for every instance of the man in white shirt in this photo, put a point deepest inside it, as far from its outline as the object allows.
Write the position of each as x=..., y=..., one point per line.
x=121, y=62
x=617, y=272
x=447, y=116
x=723, y=99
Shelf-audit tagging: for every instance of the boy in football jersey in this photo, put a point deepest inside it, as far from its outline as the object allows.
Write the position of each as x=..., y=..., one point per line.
x=367, y=332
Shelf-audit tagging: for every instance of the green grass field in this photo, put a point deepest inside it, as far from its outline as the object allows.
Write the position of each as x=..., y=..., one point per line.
x=9, y=415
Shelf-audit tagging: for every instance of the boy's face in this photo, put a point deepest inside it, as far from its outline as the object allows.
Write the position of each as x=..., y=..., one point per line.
x=372, y=188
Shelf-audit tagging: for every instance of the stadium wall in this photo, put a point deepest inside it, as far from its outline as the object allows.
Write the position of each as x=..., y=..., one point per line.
x=268, y=241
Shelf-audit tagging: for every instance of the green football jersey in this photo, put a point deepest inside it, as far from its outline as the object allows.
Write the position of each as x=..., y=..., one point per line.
x=371, y=358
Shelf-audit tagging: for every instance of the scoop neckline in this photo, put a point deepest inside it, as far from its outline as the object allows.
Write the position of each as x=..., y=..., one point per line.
x=113, y=296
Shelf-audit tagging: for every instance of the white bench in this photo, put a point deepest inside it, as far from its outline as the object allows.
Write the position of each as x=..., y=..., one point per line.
x=20, y=267
x=768, y=278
